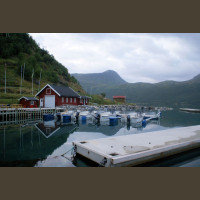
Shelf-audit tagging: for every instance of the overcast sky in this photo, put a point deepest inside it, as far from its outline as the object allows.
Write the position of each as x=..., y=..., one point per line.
x=136, y=57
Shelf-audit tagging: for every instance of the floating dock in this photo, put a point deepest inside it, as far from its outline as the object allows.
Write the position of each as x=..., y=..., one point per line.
x=190, y=110
x=131, y=150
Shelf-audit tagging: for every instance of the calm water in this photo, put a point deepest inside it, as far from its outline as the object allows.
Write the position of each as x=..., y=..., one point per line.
x=49, y=144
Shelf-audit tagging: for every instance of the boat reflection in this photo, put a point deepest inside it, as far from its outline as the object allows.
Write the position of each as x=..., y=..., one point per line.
x=33, y=142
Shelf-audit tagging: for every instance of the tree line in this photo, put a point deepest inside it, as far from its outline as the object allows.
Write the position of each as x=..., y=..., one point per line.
x=22, y=47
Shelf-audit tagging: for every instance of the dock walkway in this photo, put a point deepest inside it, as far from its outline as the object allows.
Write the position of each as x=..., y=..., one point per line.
x=10, y=115
x=136, y=149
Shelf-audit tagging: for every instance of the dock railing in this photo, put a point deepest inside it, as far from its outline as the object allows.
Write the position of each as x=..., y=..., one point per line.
x=8, y=114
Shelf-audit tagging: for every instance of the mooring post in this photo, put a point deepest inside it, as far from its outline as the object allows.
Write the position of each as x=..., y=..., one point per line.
x=4, y=143
x=6, y=115
x=32, y=136
x=22, y=140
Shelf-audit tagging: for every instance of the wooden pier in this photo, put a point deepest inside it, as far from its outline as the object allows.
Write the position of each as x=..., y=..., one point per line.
x=190, y=110
x=14, y=115
x=131, y=150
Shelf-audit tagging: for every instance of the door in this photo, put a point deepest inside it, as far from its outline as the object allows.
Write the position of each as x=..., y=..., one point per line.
x=41, y=102
x=49, y=101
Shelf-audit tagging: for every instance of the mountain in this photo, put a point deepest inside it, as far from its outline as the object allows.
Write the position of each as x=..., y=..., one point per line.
x=166, y=93
x=95, y=83
x=196, y=79
x=19, y=49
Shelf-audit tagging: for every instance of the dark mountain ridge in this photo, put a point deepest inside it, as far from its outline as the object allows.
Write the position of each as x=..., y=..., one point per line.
x=108, y=77
x=96, y=82
x=169, y=93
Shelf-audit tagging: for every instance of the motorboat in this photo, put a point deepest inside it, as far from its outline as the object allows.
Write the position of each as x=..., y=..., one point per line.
x=68, y=113
x=134, y=117
x=151, y=115
x=85, y=115
x=104, y=116
x=122, y=117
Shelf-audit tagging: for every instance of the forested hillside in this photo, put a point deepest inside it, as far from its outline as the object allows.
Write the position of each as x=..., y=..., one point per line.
x=19, y=50
x=168, y=93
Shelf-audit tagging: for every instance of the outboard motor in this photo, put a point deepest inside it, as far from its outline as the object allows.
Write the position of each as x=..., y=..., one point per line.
x=77, y=116
x=97, y=117
x=128, y=119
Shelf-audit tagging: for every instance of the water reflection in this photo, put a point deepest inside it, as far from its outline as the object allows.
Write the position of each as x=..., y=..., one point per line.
x=31, y=143
x=28, y=144
x=177, y=118
x=43, y=143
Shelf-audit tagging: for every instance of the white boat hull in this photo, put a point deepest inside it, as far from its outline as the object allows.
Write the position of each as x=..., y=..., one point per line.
x=136, y=119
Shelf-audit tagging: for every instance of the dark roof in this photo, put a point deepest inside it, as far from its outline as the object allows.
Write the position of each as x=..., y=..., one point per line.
x=29, y=98
x=65, y=91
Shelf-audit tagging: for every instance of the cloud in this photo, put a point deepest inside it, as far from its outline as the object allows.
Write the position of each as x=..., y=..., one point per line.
x=136, y=57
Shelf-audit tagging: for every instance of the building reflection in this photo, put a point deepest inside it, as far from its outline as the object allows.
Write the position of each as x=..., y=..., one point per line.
x=25, y=145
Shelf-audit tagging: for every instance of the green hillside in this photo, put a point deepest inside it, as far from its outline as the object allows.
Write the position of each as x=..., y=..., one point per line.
x=19, y=49
x=160, y=94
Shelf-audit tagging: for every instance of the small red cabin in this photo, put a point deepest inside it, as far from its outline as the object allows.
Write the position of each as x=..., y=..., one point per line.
x=29, y=102
x=51, y=96
x=121, y=99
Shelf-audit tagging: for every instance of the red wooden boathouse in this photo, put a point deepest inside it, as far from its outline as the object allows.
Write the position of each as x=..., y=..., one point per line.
x=29, y=102
x=51, y=96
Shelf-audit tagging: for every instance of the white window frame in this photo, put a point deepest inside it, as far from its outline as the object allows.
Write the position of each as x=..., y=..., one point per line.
x=70, y=100
x=63, y=99
x=81, y=100
x=67, y=99
x=48, y=89
x=75, y=100
x=32, y=103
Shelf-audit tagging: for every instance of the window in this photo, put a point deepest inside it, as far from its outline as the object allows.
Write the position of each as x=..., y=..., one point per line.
x=70, y=100
x=81, y=101
x=85, y=100
x=62, y=99
x=67, y=100
x=32, y=103
x=48, y=91
x=74, y=100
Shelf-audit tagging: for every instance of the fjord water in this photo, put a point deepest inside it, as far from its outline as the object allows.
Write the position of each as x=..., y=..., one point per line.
x=49, y=144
